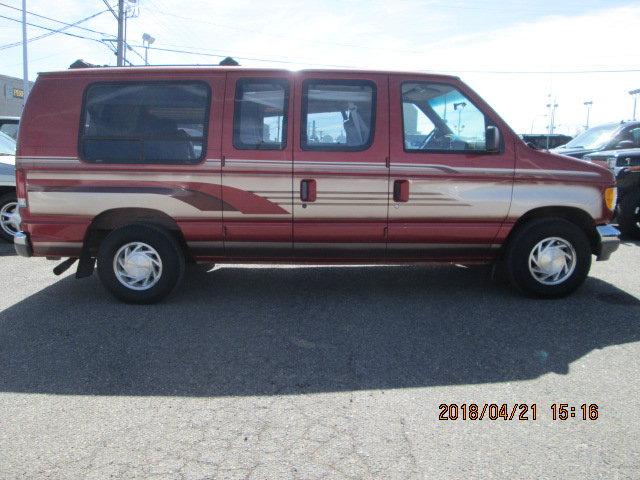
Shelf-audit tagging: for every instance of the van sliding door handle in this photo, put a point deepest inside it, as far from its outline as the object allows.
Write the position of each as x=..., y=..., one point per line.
x=308, y=190
x=401, y=191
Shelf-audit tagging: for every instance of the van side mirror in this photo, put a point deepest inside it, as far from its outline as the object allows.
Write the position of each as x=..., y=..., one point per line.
x=492, y=137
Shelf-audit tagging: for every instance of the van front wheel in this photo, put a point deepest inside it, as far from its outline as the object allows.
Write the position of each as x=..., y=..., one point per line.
x=549, y=257
x=140, y=263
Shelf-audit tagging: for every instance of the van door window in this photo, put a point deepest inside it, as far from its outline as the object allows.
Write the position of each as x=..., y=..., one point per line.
x=337, y=115
x=145, y=122
x=437, y=117
x=260, y=121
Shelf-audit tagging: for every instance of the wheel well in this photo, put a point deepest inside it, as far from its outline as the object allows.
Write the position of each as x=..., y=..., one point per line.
x=109, y=220
x=574, y=215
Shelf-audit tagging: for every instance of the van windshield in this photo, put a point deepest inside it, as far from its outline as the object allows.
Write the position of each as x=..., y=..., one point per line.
x=594, y=138
x=7, y=145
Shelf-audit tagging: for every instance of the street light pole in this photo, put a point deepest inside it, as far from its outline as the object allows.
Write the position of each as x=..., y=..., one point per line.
x=146, y=41
x=588, y=104
x=459, y=106
x=552, y=106
x=634, y=94
x=25, y=62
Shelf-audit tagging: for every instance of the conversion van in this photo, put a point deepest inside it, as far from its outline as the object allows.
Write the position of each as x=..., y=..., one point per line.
x=141, y=170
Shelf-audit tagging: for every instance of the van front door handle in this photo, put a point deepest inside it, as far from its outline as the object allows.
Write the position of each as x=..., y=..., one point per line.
x=308, y=190
x=401, y=191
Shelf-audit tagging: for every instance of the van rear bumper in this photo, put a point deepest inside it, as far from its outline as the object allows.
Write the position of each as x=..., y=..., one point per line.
x=22, y=244
x=608, y=241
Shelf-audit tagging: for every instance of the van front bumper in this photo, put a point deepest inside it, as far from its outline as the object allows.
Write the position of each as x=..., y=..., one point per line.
x=22, y=244
x=608, y=241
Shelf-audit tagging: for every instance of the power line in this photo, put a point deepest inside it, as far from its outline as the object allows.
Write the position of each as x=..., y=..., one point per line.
x=254, y=59
x=447, y=5
x=64, y=23
x=300, y=62
x=538, y=72
x=500, y=72
x=53, y=31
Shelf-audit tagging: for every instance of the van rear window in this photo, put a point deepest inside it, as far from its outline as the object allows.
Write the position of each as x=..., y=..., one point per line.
x=145, y=122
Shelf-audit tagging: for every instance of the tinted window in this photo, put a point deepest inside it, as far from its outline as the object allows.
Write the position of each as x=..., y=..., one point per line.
x=260, y=116
x=156, y=123
x=631, y=134
x=337, y=115
x=438, y=117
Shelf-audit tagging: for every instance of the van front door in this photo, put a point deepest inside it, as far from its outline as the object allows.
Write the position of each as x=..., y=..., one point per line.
x=340, y=174
x=257, y=166
x=448, y=194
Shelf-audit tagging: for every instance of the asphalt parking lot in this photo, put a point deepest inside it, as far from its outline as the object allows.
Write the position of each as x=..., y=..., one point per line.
x=330, y=372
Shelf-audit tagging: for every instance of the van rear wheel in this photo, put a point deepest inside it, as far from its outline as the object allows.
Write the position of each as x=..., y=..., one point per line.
x=140, y=263
x=548, y=258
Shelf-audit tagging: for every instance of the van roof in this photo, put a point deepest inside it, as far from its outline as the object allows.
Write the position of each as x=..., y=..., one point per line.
x=168, y=69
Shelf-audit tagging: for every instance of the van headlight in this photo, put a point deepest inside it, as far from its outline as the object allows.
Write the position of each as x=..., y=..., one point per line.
x=610, y=197
x=611, y=162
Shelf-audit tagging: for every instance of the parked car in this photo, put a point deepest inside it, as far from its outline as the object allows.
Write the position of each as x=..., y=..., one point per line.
x=541, y=141
x=625, y=164
x=609, y=136
x=9, y=219
x=143, y=170
x=9, y=126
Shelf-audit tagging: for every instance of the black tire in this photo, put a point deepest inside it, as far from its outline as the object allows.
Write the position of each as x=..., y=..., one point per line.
x=629, y=215
x=167, y=248
x=5, y=200
x=523, y=243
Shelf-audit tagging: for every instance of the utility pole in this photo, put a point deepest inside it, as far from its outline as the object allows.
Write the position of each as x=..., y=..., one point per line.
x=25, y=62
x=121, y=14
x=588, y=104
x=634, y=94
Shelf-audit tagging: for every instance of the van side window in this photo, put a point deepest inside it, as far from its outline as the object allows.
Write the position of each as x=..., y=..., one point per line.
x=338, y=115
x=437, y=117
x=260, y=114
x=145, y=122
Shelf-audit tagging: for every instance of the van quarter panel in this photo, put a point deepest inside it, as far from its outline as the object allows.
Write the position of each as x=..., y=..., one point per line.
x=63, y=189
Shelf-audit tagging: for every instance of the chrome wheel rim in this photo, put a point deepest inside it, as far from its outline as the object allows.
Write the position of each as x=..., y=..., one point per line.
x=137, y=266
x=552, y=261
x=10, y=218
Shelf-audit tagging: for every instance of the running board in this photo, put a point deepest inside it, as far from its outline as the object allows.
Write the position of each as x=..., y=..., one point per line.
x=64, y=266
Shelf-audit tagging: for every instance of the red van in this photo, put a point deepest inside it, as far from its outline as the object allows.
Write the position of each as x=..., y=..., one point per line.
x=145, y=169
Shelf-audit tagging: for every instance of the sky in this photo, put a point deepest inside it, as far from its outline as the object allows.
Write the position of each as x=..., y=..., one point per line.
x=519, y=55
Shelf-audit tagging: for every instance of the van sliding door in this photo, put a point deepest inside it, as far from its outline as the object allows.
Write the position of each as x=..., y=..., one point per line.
x=340, y=175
